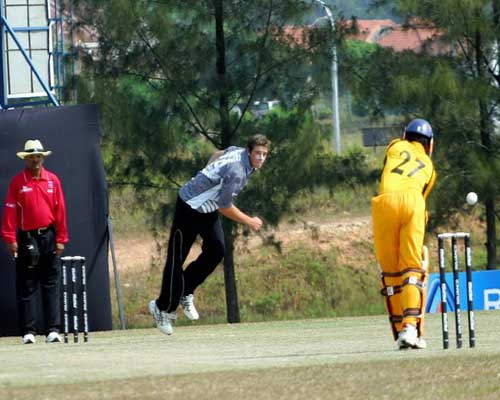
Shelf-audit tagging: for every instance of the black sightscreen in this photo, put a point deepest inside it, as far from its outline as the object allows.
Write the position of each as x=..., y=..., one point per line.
x=73, y=134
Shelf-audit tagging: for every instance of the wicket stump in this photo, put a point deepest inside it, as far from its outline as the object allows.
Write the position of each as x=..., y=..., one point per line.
x=456, y=287
x=72, y=263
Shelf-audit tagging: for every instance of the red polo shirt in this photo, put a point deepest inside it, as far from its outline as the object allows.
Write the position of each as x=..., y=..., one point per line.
x=34, y=203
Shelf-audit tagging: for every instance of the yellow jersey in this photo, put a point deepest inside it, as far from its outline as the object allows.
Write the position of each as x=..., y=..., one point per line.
x=407, y=168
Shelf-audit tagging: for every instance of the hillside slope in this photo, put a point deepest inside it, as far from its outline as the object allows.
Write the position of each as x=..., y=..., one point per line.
x=307, y=269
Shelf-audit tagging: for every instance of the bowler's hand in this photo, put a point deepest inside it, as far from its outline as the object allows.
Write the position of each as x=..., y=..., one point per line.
x=255, y=223
x=59, y=249
x=12, y=249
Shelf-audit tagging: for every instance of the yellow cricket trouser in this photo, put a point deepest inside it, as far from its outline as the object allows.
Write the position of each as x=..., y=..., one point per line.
x=398, y=230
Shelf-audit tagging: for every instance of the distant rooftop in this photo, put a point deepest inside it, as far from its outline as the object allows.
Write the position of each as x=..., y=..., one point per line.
x=370, y=30
x=415, y=39
x=415, y=35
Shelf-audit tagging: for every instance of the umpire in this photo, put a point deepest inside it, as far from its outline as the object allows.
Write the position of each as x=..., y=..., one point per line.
x=35, y=231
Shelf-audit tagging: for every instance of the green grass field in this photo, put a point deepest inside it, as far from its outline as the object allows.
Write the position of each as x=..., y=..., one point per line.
x=345, y=358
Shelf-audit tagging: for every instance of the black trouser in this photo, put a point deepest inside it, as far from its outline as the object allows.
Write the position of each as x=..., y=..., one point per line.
x=32, y=274
x=188, y=224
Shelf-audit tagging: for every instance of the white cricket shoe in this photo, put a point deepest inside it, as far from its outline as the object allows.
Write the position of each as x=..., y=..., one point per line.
x=29, y=338
x=420, y=344
x=53, y=337
x=407, y=337
x=187, y=303
x=163, y=319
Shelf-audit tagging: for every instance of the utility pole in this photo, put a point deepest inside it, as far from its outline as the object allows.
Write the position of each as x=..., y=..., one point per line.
x=335, y=85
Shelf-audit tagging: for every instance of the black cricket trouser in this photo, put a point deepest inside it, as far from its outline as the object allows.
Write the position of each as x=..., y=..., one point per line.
x=30, y=278
x=186, y=226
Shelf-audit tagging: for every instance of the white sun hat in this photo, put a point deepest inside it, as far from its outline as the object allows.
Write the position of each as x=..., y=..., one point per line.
x=33, y=146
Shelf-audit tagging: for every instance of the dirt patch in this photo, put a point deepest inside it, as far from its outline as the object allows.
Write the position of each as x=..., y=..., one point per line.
x=341, y=233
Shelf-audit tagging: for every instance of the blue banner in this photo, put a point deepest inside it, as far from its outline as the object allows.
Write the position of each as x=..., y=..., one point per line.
x=485, y=285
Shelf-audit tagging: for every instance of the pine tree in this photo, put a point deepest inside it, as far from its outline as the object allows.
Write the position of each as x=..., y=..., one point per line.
x=170, y=72
x=453, y=83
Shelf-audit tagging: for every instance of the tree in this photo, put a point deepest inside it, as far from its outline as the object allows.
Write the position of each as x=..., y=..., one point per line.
x=455, y=86
x=170, y=72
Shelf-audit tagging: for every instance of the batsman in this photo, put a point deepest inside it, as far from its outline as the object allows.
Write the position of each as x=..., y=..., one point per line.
x=399, y=219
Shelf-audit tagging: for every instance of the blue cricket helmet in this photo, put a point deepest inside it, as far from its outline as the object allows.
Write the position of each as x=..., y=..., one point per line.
x=420, y=127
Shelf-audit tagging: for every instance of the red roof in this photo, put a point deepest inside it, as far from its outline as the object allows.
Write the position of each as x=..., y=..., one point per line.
x=369, y=30
x=414, y=39
x=384, y=32
x=296, y=34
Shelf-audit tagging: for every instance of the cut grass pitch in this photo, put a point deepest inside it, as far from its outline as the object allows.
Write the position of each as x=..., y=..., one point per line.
x=345, y=358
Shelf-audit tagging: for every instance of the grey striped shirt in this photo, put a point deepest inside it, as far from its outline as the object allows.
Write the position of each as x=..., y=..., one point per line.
x=218, y=183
